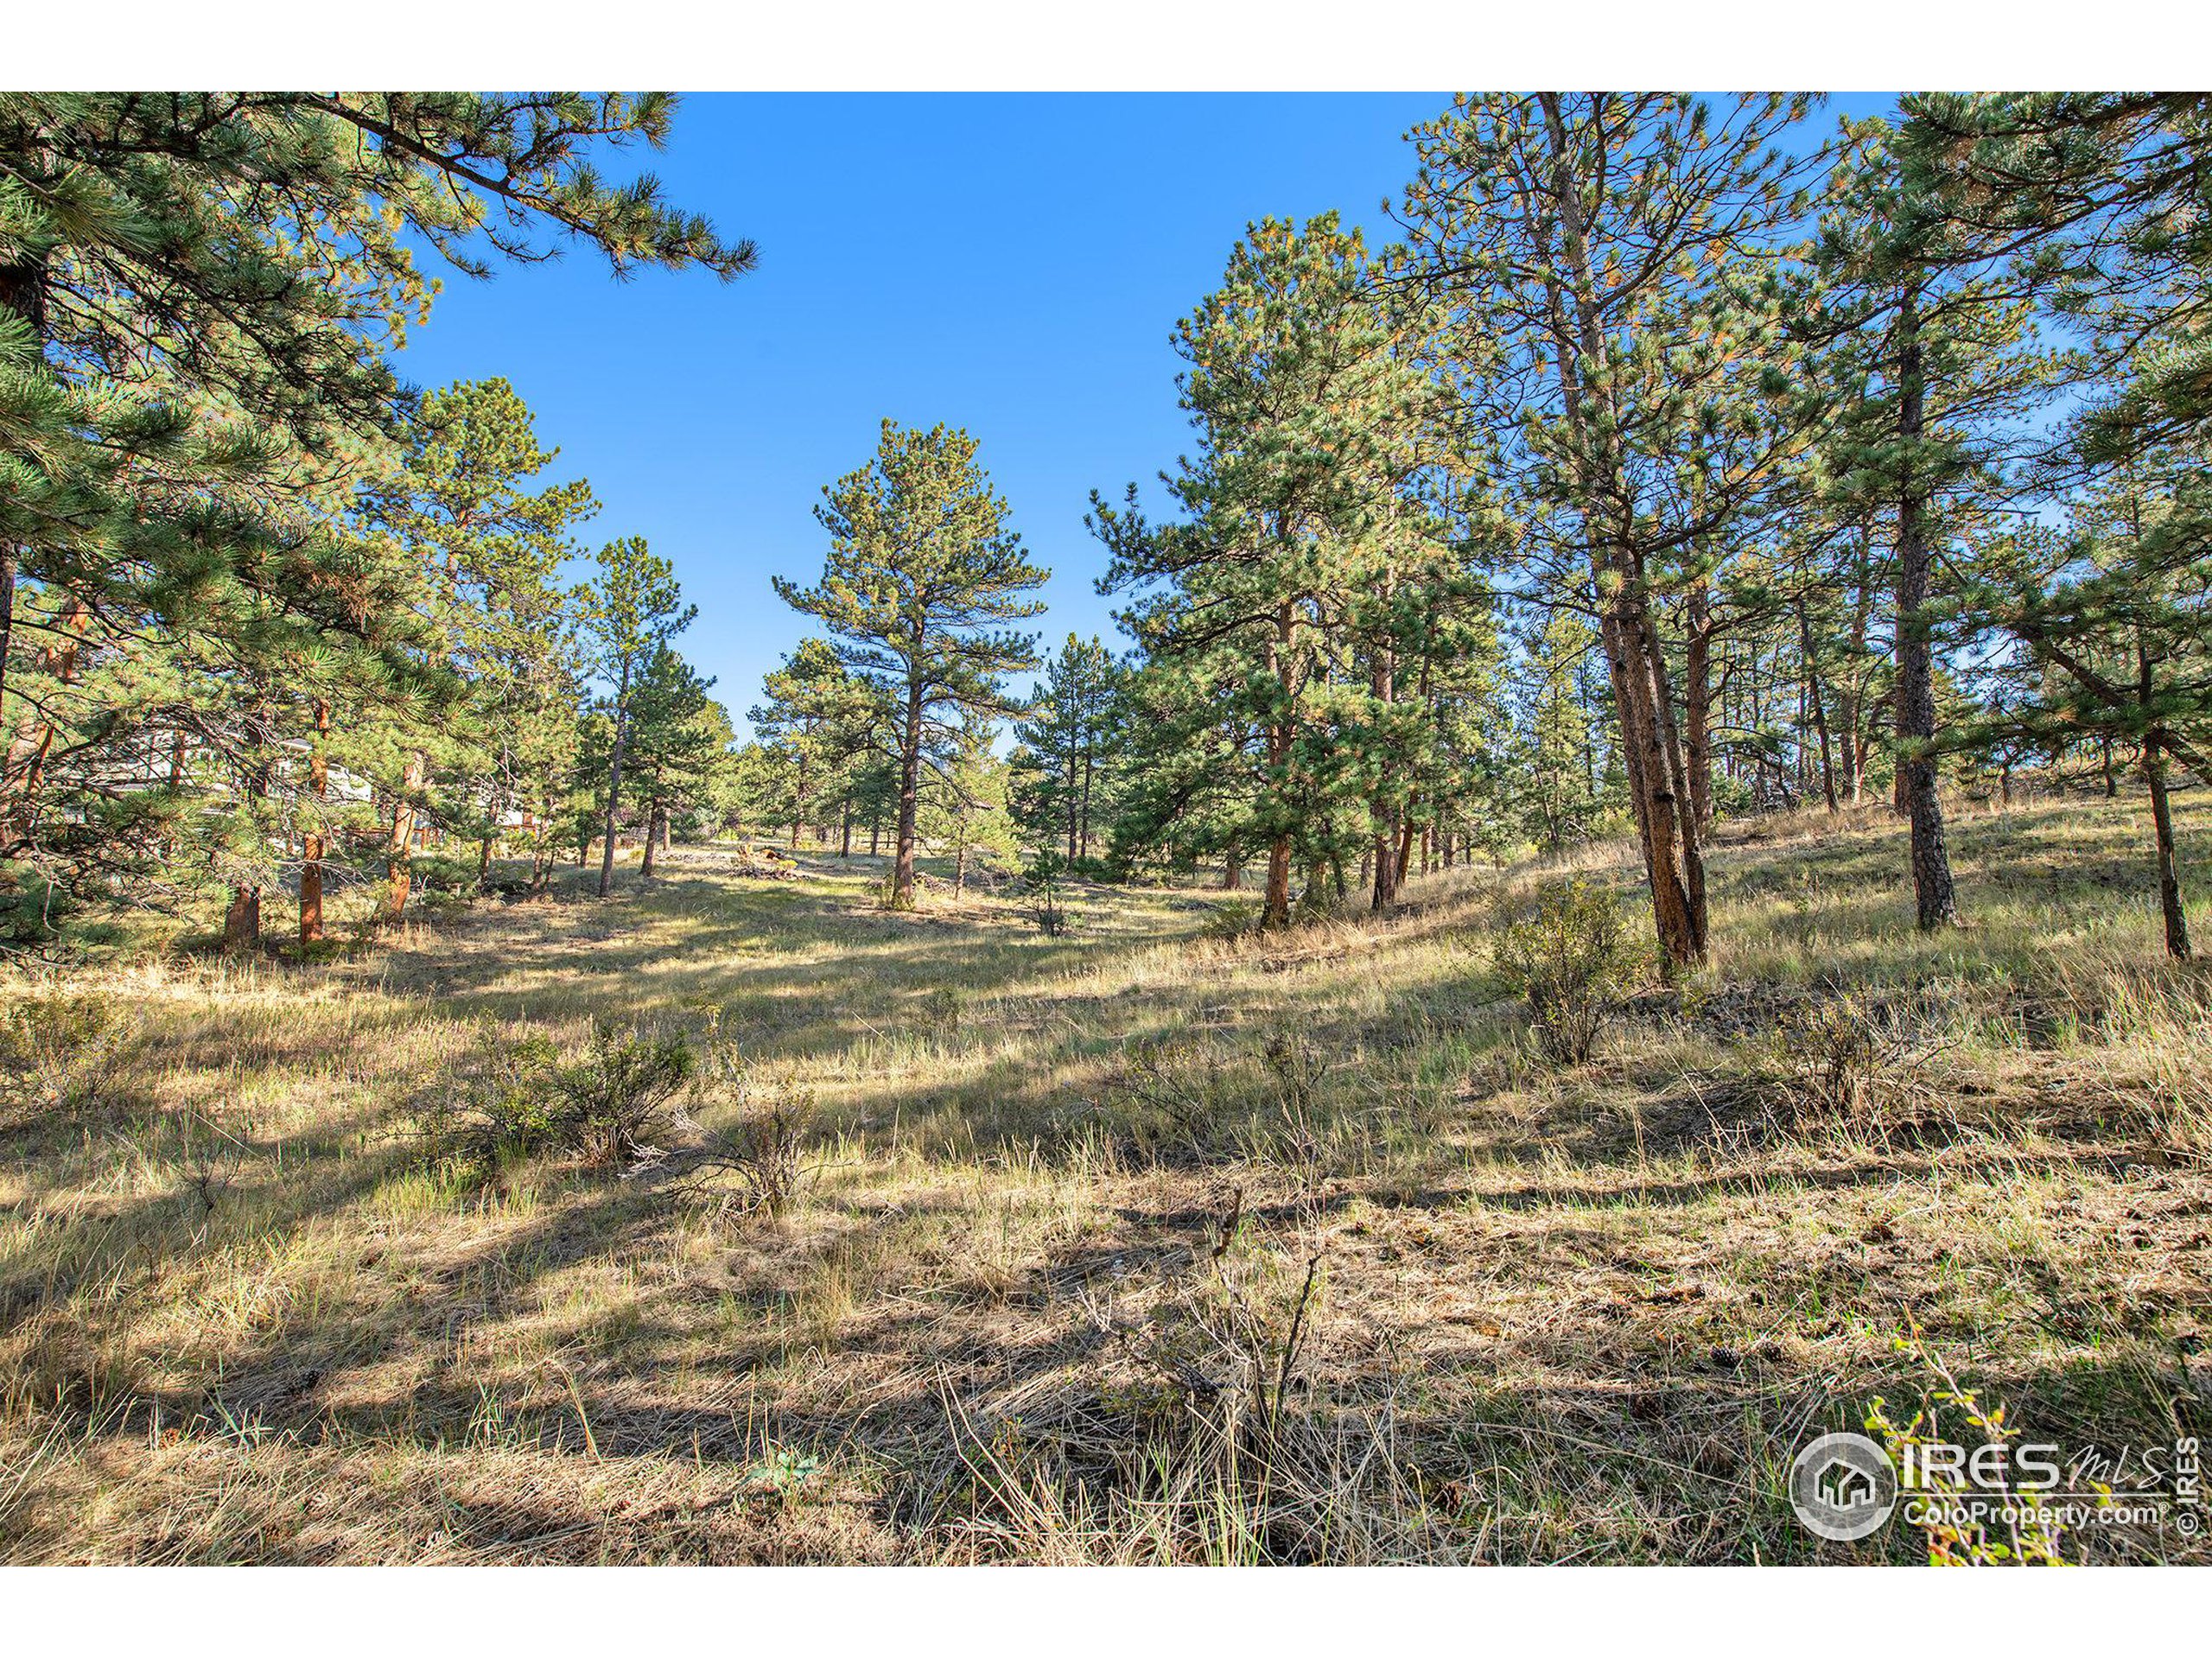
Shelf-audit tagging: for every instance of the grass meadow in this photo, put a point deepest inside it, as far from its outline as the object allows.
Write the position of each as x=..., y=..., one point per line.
x=1151, y=1242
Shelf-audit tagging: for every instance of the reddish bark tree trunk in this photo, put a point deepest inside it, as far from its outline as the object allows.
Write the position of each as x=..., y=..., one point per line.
x=313, y=850
x=399, y=852
x=1697, y=703
x=242, y=922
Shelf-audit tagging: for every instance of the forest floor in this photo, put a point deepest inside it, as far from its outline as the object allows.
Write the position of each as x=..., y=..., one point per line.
x=1142, y=1243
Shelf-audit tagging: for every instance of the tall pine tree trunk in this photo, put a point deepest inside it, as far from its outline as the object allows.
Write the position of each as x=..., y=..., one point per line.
x=2161, y=822
x=313, y=847
x=1697, y=701
x=1856, y=725
x=1935, y=899
x=2155, y=743
x=909, y=777
x=399, y=849
x=1651, y=746
x=656, y=826
x=1382, y=859
x=1089, y=768
x=242, y=924
x=1383, y=686
x=1817, y=702
x=1657, y=776
x=615, y=779
x=1274, y=905
x=1067, y=794
x=23, y=292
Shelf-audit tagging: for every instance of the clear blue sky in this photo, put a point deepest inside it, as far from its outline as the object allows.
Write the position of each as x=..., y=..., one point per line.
x=1009, y=264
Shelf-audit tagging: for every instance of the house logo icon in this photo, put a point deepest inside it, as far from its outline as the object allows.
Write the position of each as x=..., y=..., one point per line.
x=1843, y=1487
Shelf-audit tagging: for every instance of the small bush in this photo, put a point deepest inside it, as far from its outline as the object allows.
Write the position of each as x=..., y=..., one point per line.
x=1172, y=1090
x=58, y=1052
x=1230, y=1338
x=504, y=1107
x=1571, y=958
x=519, y=1101
x=1297, y=1066
x=1842, y=1058
x=765, y=1156
x=617, y=1095
x=1231, y=918
x=1041, y=889
x=940, y=1012
x=2027, y=1539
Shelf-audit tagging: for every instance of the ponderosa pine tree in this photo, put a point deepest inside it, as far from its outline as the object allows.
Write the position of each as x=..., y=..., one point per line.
x=630, y=611
x=485, y=551
x=1937, y=378
x=196, y=293
x=922, y=568
x=1064, y=783
x=2116, y=612
x=1556, y=746
x=1418, y=699
x=1617, y=272
x=2105, y=195
x=964, y=801
x=819, y=724
x=678, y=741
x=1313, y=413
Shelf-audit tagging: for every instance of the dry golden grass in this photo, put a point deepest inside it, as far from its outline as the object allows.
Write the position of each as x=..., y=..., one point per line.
x=1582, y=1314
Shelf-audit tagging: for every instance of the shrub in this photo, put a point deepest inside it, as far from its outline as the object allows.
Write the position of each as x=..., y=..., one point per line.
x=1570, y=956
x=765, y=1156
x=1297, y=1065
x=756, y=1167
x=618, y=1093
x=2028, y=1539
x=1172, y=1090
x=940, y=1012
x=1040, y=886
x=1844, y=1058
x=505, y=1106
x=58, y=1052
x=1230, y=1338
x=1230, y=919
x=519, y=1100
